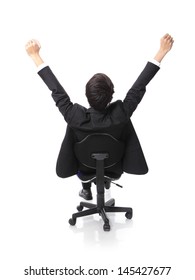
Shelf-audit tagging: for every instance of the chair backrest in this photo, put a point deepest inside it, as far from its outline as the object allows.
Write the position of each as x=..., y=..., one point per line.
x=99, y=143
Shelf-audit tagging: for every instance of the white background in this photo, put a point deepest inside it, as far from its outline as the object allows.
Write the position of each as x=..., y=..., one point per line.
x=80, y=38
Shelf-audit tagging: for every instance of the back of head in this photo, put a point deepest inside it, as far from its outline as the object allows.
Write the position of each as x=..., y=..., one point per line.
x=99, y=91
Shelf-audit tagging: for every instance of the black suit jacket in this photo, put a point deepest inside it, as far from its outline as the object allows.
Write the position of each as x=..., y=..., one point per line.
x=115, y=120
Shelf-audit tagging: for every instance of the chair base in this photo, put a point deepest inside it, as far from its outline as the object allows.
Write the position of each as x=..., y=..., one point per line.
x=109, y=206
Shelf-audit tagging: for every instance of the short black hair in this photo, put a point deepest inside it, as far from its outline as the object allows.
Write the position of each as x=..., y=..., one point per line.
x=99, y=91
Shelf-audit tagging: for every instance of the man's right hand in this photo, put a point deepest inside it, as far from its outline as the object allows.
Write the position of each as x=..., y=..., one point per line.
x=33, y=47
x=166, y=44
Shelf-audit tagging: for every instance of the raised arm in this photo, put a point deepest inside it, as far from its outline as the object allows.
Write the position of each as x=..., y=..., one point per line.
x=59, y=95
x=136, y=92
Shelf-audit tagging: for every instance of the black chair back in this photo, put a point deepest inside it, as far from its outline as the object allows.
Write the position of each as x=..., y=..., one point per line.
x=99, y=143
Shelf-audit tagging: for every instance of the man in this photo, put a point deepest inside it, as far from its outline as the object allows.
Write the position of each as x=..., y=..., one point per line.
x=102, y=116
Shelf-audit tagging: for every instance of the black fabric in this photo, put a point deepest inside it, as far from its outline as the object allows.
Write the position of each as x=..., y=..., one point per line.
x=109, y=147
x=114, y=120
x=86, y=186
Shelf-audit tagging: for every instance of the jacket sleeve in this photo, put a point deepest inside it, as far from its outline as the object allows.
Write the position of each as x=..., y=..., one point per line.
x=136, y=92
x=59, y=95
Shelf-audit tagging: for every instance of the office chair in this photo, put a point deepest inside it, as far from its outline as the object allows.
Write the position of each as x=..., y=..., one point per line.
x=99, y=152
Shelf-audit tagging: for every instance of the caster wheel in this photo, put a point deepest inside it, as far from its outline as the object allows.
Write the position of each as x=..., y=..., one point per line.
x=72, y=221
x=106, y=227
x=129, y=215
x=79, y=208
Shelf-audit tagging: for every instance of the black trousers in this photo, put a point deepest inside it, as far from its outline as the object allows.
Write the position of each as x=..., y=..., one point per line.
x=86, y=186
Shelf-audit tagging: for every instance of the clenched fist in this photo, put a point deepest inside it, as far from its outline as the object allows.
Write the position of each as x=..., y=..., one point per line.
x=32, y=48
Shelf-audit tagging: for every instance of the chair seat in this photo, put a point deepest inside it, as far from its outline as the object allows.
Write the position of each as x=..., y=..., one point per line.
x=90, y=177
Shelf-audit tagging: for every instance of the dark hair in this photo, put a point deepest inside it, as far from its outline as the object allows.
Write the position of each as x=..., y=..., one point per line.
x=99, y=91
